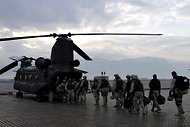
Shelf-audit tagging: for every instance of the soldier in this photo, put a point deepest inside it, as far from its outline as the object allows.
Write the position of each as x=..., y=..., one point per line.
x=74, y=83
x=138, y=90
x=118, y=91
x=83, y=90
x=104, y=88
x=155, y=88
x=70, y=91
x=76, y=91
x=129, y=97
x=177, y=93
x=96, y=91
x=63, y=89
x=128, y=85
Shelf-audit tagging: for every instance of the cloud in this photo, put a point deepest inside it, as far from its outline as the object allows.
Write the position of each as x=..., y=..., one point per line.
x=47, y=14
x=22, y=18
x=181, y=11
x=170, y=47
x=5, y=32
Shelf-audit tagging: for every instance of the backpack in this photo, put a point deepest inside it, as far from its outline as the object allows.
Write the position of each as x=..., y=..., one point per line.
x=146, y=100
x=161, y=99
x=182, y=83
x=104, y=83
x=119, y=85
x=84, y=85
x=138, y=86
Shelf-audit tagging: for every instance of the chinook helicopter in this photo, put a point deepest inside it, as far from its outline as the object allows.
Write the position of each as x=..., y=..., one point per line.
x=40, y=78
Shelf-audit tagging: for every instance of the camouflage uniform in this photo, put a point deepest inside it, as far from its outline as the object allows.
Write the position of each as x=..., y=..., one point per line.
x=138, y=90
x=70, y=91
x=104, y=89
x=154, y=92
x=96, y=91
x=76, y=91
x=118, y=91
x=177, y=94
x=83, y=90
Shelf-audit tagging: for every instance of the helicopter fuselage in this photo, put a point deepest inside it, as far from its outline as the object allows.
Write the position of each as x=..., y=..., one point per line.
x=30, y=80
x=35, y=81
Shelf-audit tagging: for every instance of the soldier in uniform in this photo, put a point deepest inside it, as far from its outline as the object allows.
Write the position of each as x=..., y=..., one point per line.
x=70, y=91
x=83, y=90
x=138, y=90
x=96, y=91
x=118, y=91
x=177, y=93
x=127, y=96
x=63, y=89
x=104, y=88
x=76, y=91
x=155, y=88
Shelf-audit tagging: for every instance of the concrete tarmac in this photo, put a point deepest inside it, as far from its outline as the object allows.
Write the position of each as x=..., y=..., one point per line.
x=26, y=112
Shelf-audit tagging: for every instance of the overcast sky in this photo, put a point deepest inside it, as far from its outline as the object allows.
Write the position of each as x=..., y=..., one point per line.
x=36, y=17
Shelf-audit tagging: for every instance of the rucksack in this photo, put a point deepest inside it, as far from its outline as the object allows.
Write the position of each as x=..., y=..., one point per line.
x=119, y=85
x=84, y=85
x=182, y=83
x=138, y=86
x=161, y=99
x=104, y=83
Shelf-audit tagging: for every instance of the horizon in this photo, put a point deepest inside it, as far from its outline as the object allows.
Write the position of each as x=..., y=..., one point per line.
x=143, y=67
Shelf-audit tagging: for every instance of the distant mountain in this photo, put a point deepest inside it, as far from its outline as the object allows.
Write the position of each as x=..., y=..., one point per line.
x=144, y=67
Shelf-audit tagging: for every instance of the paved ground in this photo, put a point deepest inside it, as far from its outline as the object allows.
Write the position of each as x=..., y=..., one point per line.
x=28, y=113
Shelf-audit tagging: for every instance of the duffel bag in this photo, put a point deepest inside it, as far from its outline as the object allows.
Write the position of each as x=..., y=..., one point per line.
x=146, y=100
x=161, y=99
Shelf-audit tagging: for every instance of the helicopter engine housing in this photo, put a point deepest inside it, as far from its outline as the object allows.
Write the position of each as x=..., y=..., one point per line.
x=75, y=63
x=42, y=63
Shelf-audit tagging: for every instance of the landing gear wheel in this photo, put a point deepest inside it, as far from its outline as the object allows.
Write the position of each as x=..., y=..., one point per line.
x=19, y=94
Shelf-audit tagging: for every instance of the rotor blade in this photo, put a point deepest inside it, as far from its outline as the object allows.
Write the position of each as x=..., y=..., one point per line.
x=69, y=34
x=26, y=37
x=80, y=52
x=16, y=58
x=8, y=67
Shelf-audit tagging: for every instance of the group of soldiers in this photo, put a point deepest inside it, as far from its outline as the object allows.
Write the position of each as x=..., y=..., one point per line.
x=128, y=94
x=72, y=91
x=131, y=90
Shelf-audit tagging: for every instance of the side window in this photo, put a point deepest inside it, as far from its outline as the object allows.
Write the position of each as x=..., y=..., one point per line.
x=30, y=77
x=20, y=76
x=25, y=77
x=36, y=77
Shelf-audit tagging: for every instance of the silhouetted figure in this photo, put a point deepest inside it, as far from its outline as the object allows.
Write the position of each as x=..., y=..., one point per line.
x=83, y=90
x=138, y=90
x=118, y=91
x=104, y=89
x=154, y=92
x=96, y=91
x=177, y=93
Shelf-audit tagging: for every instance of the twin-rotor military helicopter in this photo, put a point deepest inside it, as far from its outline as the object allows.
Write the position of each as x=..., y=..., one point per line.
x=40, y=78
